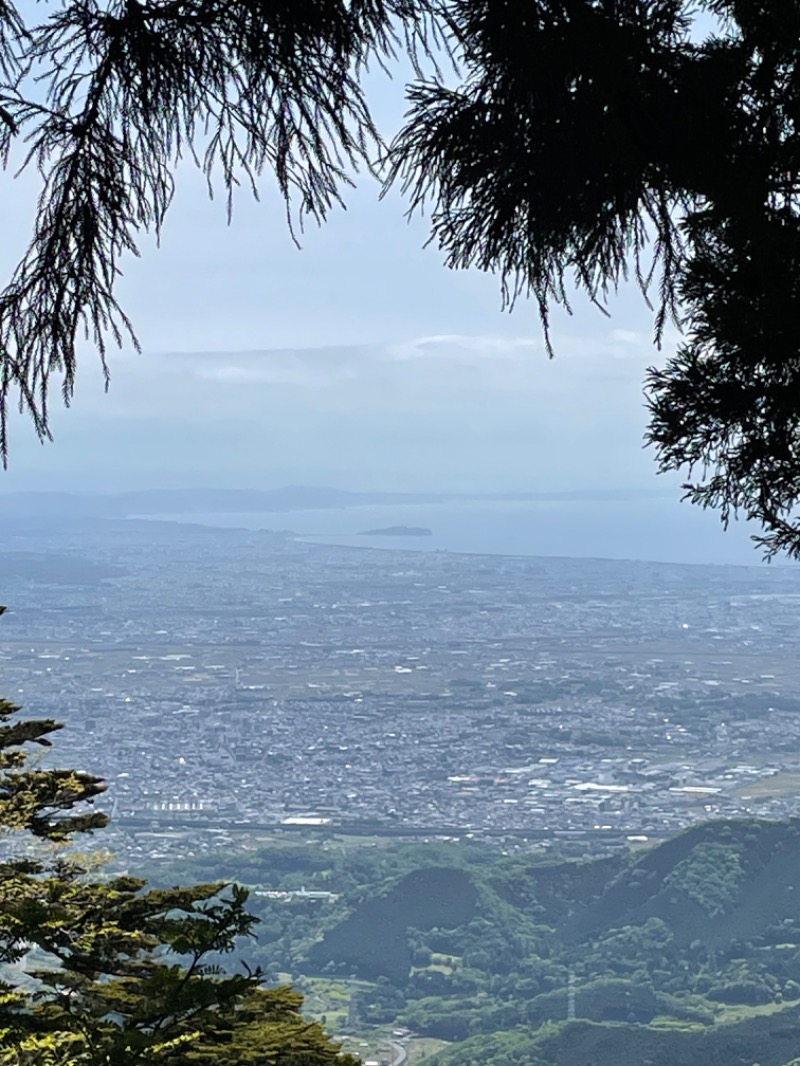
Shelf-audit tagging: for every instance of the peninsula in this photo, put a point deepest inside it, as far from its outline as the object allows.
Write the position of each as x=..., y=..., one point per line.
x=398, y=531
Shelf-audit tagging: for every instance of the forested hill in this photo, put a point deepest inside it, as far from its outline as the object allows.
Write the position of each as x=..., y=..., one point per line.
x=685, y=952
x=374, y=940
x=718, y=883
x=769, y=1040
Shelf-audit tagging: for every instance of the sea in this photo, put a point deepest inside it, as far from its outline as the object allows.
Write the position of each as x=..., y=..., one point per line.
x=653, y=529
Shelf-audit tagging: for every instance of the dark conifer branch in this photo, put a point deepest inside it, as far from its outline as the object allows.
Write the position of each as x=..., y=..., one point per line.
x=107, y=99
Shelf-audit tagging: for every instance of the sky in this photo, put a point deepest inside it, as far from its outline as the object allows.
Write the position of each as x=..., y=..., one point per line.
x=358, y=361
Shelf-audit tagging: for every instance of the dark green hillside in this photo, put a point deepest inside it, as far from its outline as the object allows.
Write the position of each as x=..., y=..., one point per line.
x=768, y=1041
x=694, y=928
x=717, y=882
x=697, y=933
x=554, y=890
x=374, y=940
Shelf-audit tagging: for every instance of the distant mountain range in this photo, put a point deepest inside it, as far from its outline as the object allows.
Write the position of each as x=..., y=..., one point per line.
x=199, y=501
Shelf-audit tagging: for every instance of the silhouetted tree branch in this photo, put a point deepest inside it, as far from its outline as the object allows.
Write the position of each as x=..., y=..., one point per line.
x=593, y=138
x=108, y=98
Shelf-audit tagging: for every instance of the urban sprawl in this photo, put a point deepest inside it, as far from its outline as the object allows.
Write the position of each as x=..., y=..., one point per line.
x=225, y=680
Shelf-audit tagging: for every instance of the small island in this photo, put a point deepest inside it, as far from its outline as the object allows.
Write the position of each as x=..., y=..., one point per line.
x=398, y=531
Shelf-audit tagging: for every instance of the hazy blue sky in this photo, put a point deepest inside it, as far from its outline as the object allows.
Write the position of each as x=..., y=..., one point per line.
x=361, y=362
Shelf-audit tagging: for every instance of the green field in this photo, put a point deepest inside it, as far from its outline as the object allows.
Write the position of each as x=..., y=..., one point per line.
x=422, y=1047
x=782, y=784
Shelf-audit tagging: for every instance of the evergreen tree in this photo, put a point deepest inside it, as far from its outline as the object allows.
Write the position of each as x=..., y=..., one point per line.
x=108, y=971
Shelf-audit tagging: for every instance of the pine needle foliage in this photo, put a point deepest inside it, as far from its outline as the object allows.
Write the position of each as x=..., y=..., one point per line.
x=538, y=165
x=105, y=97
x=590, y=139
x=108, y=972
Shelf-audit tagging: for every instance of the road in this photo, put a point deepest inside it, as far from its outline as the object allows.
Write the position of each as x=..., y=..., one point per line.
x=400, y=1051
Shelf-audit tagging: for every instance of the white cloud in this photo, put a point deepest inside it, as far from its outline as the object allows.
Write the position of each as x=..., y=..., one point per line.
x=458, y=361
x=464, y=348
x=437, y=410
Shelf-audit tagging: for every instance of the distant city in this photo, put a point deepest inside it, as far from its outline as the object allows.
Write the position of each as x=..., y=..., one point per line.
x=225, y=680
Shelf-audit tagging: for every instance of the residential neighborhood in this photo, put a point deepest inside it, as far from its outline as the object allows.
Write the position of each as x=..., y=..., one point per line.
x=223, y=680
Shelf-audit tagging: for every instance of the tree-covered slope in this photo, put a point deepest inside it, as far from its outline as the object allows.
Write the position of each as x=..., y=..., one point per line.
x=720, y=882
x=768, y=1041
x=452, y=941
x=374, y=940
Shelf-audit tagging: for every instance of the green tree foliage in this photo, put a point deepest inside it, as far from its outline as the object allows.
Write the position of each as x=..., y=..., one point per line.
x=685, y=952
x=769, y=1041
x=711, y=876
x=375, y=940
x=108, y=971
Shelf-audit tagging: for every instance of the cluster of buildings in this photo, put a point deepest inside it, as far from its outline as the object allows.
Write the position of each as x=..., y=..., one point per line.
x=225, y=681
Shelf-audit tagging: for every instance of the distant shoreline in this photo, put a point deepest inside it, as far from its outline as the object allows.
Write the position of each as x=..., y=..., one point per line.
x=397, y=531
x=573, y=530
